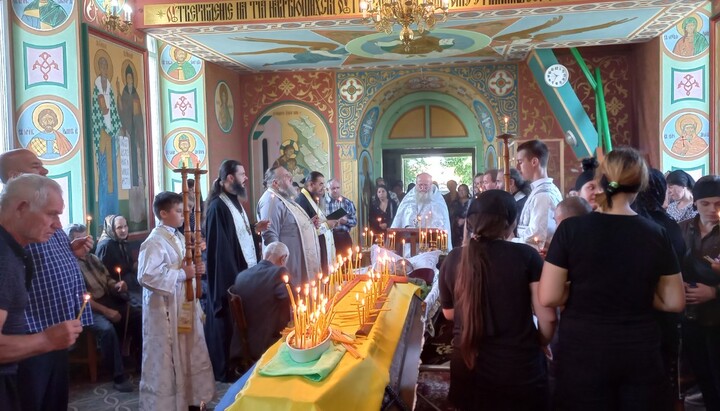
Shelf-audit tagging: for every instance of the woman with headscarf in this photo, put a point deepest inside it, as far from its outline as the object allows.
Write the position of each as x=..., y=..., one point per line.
x=586, y=186
x=489, y=289
x=113, y=251
x=620, y=267
x=679, y=193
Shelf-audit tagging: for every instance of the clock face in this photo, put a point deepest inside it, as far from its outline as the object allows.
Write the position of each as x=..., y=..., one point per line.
x=556, y=75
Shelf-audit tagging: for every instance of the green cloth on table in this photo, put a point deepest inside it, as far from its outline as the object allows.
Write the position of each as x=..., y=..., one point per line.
x=281, y=364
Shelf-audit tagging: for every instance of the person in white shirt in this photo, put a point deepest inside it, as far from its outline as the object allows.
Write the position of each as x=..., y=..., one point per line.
x=537, y=225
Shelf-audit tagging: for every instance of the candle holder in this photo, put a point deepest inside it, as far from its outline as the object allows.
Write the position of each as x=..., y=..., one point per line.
x=506, y=137
x=193, y=252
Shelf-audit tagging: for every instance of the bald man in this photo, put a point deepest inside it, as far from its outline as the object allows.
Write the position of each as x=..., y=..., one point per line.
x=55, y=297
x=426, y=202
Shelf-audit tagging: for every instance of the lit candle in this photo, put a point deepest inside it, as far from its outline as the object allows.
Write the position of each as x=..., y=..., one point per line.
x=506, y=119
x=118, y=270
x=86, y=298
x=286, y=279
x=88, y=220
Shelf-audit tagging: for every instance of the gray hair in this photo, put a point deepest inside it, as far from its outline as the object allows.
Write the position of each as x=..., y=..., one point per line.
x=73, y=229
x=32, y=188
x=275, y=250
x=270, y=176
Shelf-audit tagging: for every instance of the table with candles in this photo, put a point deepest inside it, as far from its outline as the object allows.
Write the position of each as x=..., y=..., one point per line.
x=380, y=311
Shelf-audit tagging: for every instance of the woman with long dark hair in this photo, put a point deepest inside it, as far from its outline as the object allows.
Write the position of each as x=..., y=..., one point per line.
x=619, y=266
x=488, y=288
x=382, y=211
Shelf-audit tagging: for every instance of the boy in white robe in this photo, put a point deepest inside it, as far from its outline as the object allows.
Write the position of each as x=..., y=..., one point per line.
x=176, y=369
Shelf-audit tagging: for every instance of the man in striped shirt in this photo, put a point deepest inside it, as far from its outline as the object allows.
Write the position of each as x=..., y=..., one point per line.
x=341, y=232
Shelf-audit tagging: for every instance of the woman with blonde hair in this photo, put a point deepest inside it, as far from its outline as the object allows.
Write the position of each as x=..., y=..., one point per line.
x=619, y=266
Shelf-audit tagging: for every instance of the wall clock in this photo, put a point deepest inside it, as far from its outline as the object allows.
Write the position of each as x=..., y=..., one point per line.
x=556, y=75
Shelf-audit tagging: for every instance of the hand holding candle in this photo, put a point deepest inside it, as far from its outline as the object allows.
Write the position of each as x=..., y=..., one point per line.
x=86, y=298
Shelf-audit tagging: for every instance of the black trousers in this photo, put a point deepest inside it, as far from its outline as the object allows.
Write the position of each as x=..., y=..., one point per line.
x=9, y=397
x=44, y=382
x=702, y=347
x=343, y=242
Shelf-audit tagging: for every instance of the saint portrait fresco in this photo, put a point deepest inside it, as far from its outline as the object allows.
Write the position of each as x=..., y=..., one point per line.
x=118, y=131
x=49, y=129
x=42, y=15
x=690, y=37
x=179, y=65
x=686, y=135
x=224, y=106
x=185, y=148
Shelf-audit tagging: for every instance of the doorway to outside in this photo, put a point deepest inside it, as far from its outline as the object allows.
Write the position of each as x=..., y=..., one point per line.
x=442, y=164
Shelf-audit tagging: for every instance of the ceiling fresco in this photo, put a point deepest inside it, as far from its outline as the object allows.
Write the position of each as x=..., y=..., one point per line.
x=467, y=37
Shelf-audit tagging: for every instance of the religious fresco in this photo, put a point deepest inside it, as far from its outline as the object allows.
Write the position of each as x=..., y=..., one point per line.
x=491, y=158
x=184, y=148
x=688, y=84
x=473, y=36
x=183, y=105
x=686, y=135
x=366, y=182
x=118, y=132
x=43, y=15
x=49, y=129
x=178, y=65
x=45, y=65
x=367, y=127
x=689, y=38
x=486, y=120
x=293, y=136
x=224, y=106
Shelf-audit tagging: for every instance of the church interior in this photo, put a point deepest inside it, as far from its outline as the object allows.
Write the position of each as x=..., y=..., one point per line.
x=115, y=97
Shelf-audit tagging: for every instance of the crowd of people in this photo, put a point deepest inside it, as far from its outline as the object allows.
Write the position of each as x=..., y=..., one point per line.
x=567, y=304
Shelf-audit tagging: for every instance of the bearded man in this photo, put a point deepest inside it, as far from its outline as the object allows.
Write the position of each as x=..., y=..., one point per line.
x=423, y=204
x=231, y=248
x=290, y=225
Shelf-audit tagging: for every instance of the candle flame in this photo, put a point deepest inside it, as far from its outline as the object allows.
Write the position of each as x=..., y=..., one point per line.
x=285, y=278
x=86, y=297
x=117, y=270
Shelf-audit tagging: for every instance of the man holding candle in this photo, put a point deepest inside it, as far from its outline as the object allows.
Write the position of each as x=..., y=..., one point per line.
x=54, y=297
x=25, y=220
x=265, y=300
x=112, y=313
x=231, y=248
x=341, y=232
x=536, y=225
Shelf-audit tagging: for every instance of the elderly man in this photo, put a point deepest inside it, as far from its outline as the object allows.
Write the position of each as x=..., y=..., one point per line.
x=289, y=224
x=341, y=232
x=30, y=209
x=309, y=199
x=423, y=204
x=265, y=298
x=55, y=297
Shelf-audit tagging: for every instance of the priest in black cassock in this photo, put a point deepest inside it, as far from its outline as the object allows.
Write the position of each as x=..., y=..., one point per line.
x=309, y=200
x=232, y=247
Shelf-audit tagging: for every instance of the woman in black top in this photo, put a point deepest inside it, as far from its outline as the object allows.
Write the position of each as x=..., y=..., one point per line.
x=488, y=288
x=619, y=265
x=382, y=211
x=458, y=210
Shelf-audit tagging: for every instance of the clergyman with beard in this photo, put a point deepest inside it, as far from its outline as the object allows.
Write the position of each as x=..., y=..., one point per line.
x=423, y=205
x=231, y=248
x=290, y=225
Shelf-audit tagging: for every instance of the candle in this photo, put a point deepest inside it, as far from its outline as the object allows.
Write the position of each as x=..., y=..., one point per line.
x=118, y=271
x=286, y=279
x=506, y=119
x=86, y=298
x=88, y=220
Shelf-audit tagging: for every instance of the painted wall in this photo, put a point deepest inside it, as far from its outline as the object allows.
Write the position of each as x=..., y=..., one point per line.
x=224, y=124
x=184, y=120
x=47, y=96
x=685, y=101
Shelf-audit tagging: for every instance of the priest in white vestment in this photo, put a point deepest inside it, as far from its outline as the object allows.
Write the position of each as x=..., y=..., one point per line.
x=423, y=203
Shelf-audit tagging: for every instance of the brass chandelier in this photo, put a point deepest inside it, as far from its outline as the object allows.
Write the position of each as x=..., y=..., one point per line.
x=117, y=18
x=384, y=14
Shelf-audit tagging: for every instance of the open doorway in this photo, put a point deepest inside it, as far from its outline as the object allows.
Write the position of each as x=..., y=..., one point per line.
x=442, y=164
